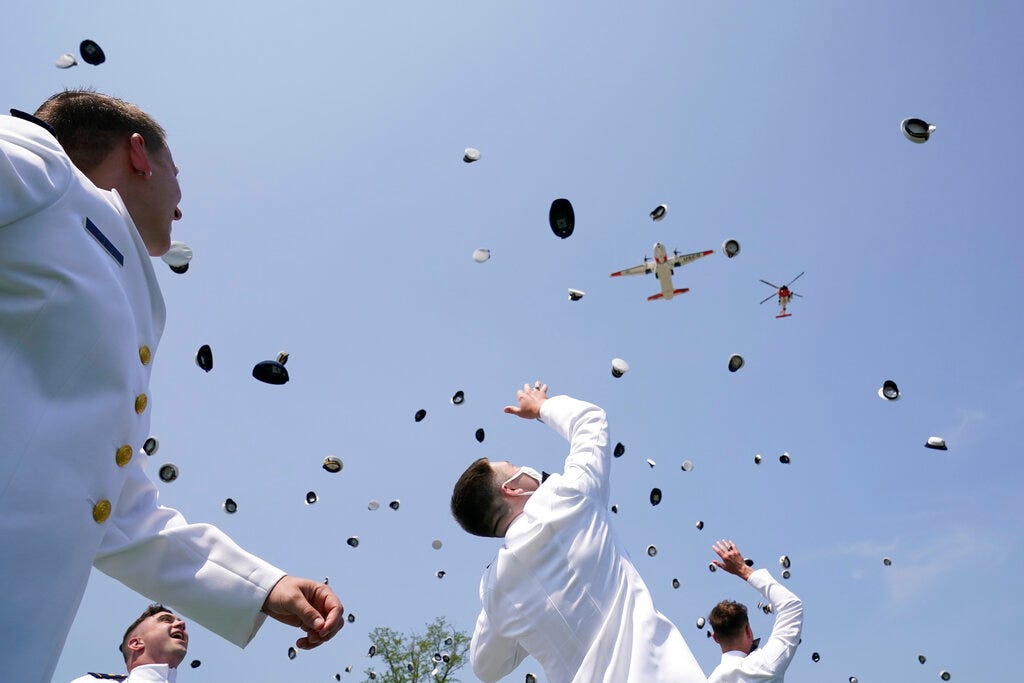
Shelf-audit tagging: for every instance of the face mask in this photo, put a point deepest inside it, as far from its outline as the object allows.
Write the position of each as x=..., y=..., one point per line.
x=528, y=471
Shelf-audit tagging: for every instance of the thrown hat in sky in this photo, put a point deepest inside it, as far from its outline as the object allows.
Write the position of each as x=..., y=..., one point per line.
x=373, y=505
x=686, y=466
x=651, y=462
x=652, y=550
x=712, y=567
x=204, y=358
x=481, y=255
x=659, y=212
x=655, y=496
x=784, y=458
x=351, y=619
x=944, y=675
x=195, y=664
x=470, y=155
x=395, y=504
x=91, y=52
x=151, y=445
x=458, y=398
x=815, y=657
x=731, y=247
x=922, y=659
x=889, y=391
x=936, y=442
x=619, y=367
x=916, y=130
x=178, y=256
x=530, y=678
x=65, y=61
x=311, y=497
x=615, y=509
x=675, y=583
x=439, y=573
x=619, y=450
x=354, y=542
x=887, y=561
x=420, y=414
x=735, y=362
x=853, y=679
x=757, y=458
x=292, y=653
x=786, y=574
x=784, y=561
x=333, y=463
x=168, y=473
x=230, y=506
x=749, y=562
x=479, y=434
x=562, y=218
x=372, y=651
x=272, y=371
x=436, y=544
x=700, y=524
x=576, y=294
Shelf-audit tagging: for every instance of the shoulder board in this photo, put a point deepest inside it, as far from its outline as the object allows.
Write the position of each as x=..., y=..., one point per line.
x=109, y=677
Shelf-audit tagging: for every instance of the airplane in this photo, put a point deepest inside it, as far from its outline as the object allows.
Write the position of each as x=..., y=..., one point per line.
x=663, y=266
x=784, y=293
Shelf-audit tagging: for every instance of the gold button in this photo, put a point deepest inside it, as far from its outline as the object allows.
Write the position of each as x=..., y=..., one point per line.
x=140, y=403
x=124, y=455
x=145, y=355
x=101, y=511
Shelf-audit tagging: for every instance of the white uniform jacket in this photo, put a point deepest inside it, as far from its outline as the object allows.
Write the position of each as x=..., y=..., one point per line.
x=81, y=315
x=563, y=588
x=145, y=673
x=767, y=663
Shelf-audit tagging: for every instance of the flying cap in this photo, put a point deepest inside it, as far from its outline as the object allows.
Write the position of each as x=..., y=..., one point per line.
x=151, y=445
x=784, y=458
x=735, y=362
x=712, y=567
x=686, y=466
x=675, y=583
x=936, y=443
x=887, y=561
x=395, y=504
x=615, y=509
x=916, y=130
x=922, y=659
x=458, y=398
x=944, y=675
x=204, y=358
x=889, y=391
x=91, y=52
x=786, y=574
x=651, y=462
x=373, y=505
x=479, y=434
x=530, y=678
x=439, y=573
x=230, y=506
x=65, y=61
x=354, y=542
x=272, y=371
x=619, y=450
x=195, y=664
x=333, y=464
x=815, y=657
x=562, y=218
x=292, y=653
x=351, y=619
x=436, y=544
x=749, y=562
x=784, y=561
x=470, y=155
x=168, y=473
x=619, y=367
x=576, y=294
x=700, y=525
x=731, y=247
x=659, y=212
x=178, y=256
x=372, y=651
x=700, y=622
x=420, y=414
x=655, y=496
x=757, y=458
x=652, y=550
x=481, y=255
x=311, y=497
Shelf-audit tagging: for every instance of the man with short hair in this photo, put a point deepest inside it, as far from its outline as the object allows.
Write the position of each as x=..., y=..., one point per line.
x=88, y=191
x=152, y=646
x=742, y=659
x=563, y=588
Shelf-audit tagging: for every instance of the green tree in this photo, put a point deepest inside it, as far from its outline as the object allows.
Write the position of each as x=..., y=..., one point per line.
x=431, y=657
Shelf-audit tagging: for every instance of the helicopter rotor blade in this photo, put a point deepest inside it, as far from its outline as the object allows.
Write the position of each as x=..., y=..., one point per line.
x=795, y=294
x=770, y=296
x=794, y=280
x=770, y=284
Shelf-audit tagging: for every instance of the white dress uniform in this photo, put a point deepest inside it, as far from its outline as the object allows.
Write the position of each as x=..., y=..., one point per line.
x=81, y=315
x=766, y=664
x=564, y=590
x=145, y=673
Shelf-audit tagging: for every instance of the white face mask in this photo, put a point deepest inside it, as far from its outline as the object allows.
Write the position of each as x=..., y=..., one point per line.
x=528, y=471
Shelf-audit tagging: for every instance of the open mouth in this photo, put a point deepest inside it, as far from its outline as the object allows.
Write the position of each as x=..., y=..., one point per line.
x=178, y=635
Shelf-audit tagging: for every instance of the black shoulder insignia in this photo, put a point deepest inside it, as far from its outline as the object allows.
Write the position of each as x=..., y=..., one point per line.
x=109, y=677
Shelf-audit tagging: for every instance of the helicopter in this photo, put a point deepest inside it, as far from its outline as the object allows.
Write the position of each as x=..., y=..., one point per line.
x=784, y=293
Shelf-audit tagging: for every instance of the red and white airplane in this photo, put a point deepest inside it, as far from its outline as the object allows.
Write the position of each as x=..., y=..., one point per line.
x=663, y=266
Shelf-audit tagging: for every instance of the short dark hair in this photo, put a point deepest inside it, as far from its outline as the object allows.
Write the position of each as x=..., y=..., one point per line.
x=728, y=619
x=477, y=504
x=155, y=608
x=89, y=125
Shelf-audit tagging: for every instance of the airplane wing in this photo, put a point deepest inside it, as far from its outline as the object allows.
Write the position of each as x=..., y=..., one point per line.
x=642, y=269
x=683, y=259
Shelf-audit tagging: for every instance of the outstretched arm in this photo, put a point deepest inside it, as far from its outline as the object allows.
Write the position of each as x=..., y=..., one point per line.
x=310, y=605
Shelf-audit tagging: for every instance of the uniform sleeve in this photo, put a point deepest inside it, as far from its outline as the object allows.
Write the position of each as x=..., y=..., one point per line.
x=34, y=171
x=585, y=426
x=493, y=655
x=194, y=568
x=774, y=657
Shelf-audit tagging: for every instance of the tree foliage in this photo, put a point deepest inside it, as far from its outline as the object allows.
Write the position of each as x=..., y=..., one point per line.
x=430, y=657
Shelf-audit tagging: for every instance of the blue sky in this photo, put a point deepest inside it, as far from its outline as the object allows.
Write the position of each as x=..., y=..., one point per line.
x=332, y=216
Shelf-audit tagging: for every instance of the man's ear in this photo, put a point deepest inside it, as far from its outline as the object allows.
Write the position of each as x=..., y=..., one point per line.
x=138, y=155
x=714, y=637
x=135, y=644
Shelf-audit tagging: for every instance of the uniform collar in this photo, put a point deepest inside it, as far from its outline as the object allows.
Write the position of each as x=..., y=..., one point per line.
x=18, y=114
x=152, y=673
